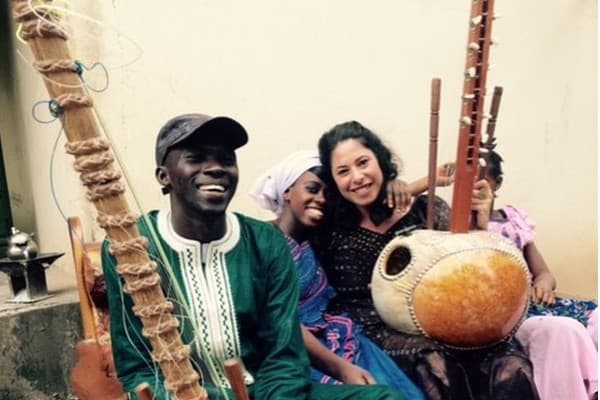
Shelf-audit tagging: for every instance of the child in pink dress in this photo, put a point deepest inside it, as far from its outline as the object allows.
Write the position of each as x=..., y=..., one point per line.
x=563, y=352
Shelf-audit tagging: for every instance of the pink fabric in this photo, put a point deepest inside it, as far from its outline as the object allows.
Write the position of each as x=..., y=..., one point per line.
x=592, y=326
x=564, y=357
x=563, y=353
x=517, y=226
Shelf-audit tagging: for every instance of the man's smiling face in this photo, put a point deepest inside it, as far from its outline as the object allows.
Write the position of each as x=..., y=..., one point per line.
x=202, y=177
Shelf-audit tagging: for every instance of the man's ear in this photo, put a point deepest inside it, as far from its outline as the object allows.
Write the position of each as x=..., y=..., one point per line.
x=162, y=176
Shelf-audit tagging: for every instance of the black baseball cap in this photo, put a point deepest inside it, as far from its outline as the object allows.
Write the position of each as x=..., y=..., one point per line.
x=210, y=130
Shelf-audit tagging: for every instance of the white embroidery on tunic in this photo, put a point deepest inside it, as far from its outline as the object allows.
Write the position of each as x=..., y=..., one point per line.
x=210, y=296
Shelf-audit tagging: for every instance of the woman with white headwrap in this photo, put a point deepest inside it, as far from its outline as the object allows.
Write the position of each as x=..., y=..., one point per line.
x=294, y=191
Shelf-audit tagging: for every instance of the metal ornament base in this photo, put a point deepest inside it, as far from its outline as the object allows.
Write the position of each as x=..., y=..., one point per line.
x=28, y=277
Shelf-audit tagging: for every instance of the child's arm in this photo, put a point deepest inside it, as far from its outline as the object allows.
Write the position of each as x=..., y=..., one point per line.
x=444, y=177
x=400, y=194
x=544, y=282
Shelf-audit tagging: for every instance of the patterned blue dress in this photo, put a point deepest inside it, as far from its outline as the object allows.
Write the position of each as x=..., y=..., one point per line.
x=338, y=333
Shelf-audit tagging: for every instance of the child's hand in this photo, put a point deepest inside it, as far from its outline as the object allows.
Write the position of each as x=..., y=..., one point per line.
x=542, y=292
x=481, y=202
x=445, y=174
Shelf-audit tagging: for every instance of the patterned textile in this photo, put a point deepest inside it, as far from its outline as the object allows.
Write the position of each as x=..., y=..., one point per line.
x=565, y=307
x=315, y=291
x=337, y=332
x=499, y=372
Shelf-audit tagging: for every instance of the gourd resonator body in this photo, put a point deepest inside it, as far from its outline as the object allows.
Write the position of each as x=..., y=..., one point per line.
x=466, y=290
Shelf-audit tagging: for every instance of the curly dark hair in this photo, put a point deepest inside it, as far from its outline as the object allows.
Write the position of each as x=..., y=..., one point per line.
x=345, y=213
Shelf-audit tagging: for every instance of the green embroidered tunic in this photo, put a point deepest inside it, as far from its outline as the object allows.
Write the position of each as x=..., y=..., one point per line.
x=234, y=297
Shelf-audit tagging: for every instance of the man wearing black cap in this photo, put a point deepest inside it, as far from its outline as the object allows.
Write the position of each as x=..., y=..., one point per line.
x=231, y=277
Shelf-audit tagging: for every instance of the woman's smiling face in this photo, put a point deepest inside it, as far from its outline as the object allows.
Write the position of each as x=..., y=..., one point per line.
x=356, y=172
x=307, y=199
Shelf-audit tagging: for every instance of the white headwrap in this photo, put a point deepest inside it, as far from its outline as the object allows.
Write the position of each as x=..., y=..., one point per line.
x=269, y=188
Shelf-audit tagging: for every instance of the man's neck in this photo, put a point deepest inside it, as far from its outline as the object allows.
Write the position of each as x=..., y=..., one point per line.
x=202, y=228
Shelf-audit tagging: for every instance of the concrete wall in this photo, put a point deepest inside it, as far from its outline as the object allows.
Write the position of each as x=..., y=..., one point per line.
x=290, y=70
x=37, y=352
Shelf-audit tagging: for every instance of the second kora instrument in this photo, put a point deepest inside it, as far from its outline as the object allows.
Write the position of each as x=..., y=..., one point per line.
x=465, y=290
